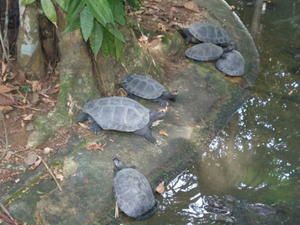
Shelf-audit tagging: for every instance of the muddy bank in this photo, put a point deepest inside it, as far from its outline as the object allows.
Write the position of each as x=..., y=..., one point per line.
x=206, y=102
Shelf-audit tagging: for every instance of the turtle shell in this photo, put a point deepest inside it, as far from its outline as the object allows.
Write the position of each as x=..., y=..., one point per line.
x=207, y=32
x=231, y=63
x=133, y=192
x=143, y=86
x=204, y=52
x=118, y=113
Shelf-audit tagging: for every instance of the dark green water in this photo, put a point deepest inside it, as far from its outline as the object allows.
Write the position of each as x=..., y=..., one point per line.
x=250, y=174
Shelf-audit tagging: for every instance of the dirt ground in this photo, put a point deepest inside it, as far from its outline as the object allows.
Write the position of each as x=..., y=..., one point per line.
x=22, y=100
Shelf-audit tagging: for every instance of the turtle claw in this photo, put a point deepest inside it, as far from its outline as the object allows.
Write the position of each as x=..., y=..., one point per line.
x=95, y=128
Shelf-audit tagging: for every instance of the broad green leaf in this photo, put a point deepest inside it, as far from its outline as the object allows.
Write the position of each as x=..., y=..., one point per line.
x=114, y=31
x=86, y=23
x=96, y=38
x=27, y=2
x=62, y=4
x=101, y=11
x=108, y=46
x=72, y=25
x=74, y=7
x=119, y=49
x=49, y=10
x=118, y=11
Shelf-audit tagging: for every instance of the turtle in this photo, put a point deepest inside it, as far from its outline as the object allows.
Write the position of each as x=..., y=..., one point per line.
x=133, y=192
x=120, y=114
x=144, y=86
x=204, y=52
x=231, y=63
x=207, y=32
x=188, y=37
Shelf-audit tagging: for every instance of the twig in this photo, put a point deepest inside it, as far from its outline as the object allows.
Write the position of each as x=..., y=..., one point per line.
x=6, y=219
x=51, y=173
x=6, y=136
x=8, y=214
x=116, y=211
x=4, y=53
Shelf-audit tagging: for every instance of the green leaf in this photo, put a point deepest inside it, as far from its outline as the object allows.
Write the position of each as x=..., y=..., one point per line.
x=119, y=49
x=49, y=10
x=62, y=4
x=96, y=38
x=86, y=23
x=101, y=11
x=74, y=7
x=72, y=25
x=118, y=11
x=108, y=46
x=27, y=2
x=114, y=31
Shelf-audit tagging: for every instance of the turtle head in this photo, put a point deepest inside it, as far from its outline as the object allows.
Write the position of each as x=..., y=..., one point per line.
x=170, y=95
x=118, y=164
x=230, y=47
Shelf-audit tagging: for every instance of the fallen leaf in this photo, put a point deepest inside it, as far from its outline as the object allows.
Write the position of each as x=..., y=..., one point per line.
x=160, y=188
x=6, y=100
x=36, y=163
x=5, y=89
x=58, y=173
x=84, y=126
x=35, y=85
x=96, y=146
x=163, y=133
x=121, y=92
x=191, y=6
x=5, y=109
x=143, y=39
x=27, y=117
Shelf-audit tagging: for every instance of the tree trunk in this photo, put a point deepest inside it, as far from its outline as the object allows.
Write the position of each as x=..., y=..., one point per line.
x=29, y=53
x=77, y=85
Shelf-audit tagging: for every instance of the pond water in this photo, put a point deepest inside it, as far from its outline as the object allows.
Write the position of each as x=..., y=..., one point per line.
x=250, y=174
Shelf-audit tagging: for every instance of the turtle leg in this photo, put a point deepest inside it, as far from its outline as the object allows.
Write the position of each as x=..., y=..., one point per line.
x=162, y=102
x=95, y=128
x=146, y=133
x=129, y=95
x=82, y=117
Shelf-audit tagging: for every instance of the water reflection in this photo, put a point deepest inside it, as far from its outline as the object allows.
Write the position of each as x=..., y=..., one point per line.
x=250, y=173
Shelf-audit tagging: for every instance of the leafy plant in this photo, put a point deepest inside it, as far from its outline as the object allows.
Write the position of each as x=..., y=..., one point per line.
x=98, y=21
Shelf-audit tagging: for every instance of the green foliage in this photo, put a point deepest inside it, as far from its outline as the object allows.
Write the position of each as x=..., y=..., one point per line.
x=98, y=21
x=86, y=23
x=96, y=38
x=49, y=10
x=134, y=3
x=27, y=2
